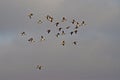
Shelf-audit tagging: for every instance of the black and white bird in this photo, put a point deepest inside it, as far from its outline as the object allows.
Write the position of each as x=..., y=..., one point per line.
x=63, y=43
x=23, y=33
x=75, y=42
x=83, y=23
x=49, y=18
x=75, y=31
x=42, y=38
x=39, y=67
x=63, y=32
x=71, y=32
x=48, y=31
x=30, y=15
x=67, y=27
x=64, y=19
x=73, y=21
x=57, y=23
x=39, y=21
x=57, y=35
x=31, y=40
x=60, y=29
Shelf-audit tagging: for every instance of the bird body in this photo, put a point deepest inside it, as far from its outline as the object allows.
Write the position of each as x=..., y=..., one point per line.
x=48, y=31
x=50, y=18
x=75, y=42
x=57, y=34
x=31, y=40
x=30, y=15
x=39, y=67
x=39, y=21
x=63, y=43
x=64, y=19
x=23, y=33
x=42, y=38
x=57, y=23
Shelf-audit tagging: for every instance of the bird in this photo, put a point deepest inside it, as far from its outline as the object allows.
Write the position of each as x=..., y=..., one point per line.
x=63, y=33
x=57, y=34
x=77, y=24
x=31, y=40
x=64, y=19
x=73, y=21
x=23, y=33
x=48, y=31
x=75, y=42
x=67, y=27
x=39, y=67
x=42, y=38
x=77, y=27
x=75, y=31
x=57, y=23
x=71, y=32
x=39, y=21
x=30, y=15
x=63, y=43
x=60, y=29
x=83, y=23
x=49, y=18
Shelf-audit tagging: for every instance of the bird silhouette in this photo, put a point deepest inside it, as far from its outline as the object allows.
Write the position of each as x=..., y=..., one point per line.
x=30, y=15
x=63, y=43
x=83, y=23
x=71, y=32
x=63, y=33
x=48, y=31
x=31, y=40
x=57, y=23
x=23, y=33
x=42, y=38
x=75, y=31
x=49, y=18
x=73, y=21
x=64, y=19
x=39, y=21
x=67, y=27
x=57, y=35
x=60, y=29
x=75, y=42
x=39, y=67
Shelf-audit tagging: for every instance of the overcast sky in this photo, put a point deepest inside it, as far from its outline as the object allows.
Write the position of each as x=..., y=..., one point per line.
x=96, y=57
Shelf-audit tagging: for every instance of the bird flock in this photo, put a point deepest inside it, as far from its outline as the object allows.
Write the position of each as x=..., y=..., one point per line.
x=61, y=30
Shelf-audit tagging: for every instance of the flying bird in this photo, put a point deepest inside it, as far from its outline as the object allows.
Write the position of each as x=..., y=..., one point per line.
x=68, y=27
x=75, y=42
x=50, y=18
x=48, y=31
x=39, y=21
x=75, y=31
x=73, y=21
x=23, y=33
x=30, y=15
x=83, y=23
x=39, y=67
x=31, y=40
x=63, y=33
x=60, y=29
x=64, y=19
x=57, y=23
x=57, y=34
x=63, y=43
x=71, y=32
x=42, y=38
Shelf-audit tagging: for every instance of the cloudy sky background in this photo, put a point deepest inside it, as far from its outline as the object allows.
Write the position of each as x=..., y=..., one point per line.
x=96, y=57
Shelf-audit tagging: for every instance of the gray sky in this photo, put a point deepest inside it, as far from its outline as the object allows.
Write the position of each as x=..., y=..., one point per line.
x=95, y=58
